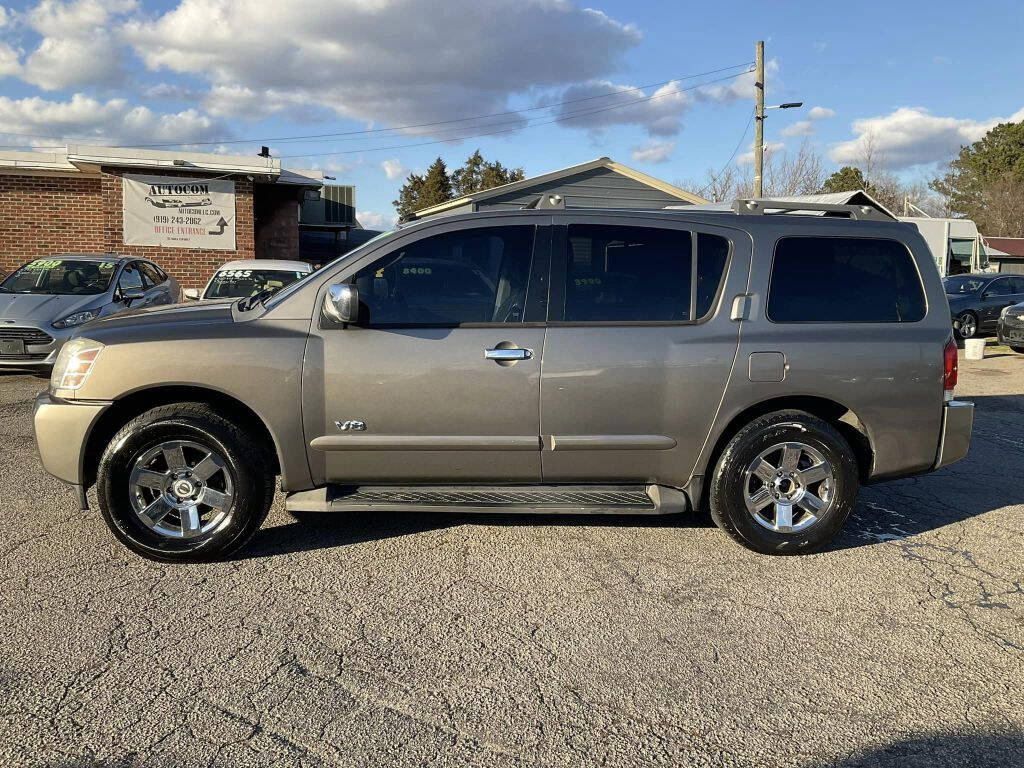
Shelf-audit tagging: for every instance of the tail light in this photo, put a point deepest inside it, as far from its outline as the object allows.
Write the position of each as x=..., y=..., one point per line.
x=949, y=368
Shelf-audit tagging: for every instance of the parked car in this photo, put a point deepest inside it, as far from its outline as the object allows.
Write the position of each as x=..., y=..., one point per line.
x=1011, y=327
x=976, y=300
x=760, y=366
x=45, y=301
x=247, y=277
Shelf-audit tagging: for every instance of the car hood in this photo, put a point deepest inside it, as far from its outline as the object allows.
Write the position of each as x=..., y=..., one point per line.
x=162, y=316
x=44, y=308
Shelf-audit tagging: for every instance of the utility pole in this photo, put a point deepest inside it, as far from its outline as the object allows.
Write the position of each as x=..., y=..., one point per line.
x=759, y=119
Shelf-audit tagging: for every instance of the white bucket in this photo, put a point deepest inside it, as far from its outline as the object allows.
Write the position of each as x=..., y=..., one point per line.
x=974, y=349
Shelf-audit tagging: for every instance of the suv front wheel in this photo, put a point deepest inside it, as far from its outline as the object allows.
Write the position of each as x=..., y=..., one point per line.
x=180, y=483
x=785, y=484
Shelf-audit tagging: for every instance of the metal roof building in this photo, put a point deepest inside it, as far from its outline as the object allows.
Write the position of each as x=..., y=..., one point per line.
x=600, y=183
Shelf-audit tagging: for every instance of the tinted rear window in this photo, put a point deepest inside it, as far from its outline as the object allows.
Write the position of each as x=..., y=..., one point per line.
x=844, y=280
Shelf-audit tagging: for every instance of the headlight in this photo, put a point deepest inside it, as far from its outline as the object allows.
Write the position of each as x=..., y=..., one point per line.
x=74, y=363
x=76, y=319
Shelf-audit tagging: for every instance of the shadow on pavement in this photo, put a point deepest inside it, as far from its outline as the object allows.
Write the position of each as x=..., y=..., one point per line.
x=324, y=530
x=980, y=750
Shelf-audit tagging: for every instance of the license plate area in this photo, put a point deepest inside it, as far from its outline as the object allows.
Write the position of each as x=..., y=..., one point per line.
x=12, y=347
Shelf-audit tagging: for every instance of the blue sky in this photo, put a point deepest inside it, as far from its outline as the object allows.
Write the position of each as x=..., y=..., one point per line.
x=228, y=75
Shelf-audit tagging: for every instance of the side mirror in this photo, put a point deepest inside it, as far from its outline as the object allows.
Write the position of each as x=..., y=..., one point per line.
x=987, y=295
x=132, y=294
x=341, y=304
x=192, y=294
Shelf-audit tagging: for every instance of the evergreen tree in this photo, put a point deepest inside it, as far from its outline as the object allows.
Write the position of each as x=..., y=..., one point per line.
x=984, y=182
x=437, y=187
x=469, y=178
x=846, y=179
x=408, y=197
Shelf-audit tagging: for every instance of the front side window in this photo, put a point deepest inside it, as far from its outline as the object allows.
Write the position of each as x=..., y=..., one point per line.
x=239, y=283
x=640, y=274
x=131, y=278
x=61, y=277
x=150, y=274
x=1000, y=287
x=468, y=276
x=844, y=280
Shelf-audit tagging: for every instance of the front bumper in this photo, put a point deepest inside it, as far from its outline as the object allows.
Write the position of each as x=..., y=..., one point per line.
x=62, y=430
x=1011, y=332
x=955, y=441
x=36, y=355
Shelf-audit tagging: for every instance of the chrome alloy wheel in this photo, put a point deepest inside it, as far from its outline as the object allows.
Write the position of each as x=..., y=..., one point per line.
x=788, y=487
x=181, y=489
x=968, y=326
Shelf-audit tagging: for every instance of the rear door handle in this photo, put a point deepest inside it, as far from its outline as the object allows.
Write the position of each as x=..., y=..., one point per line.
x=508, y=355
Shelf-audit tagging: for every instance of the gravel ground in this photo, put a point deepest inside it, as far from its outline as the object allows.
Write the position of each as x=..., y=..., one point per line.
x=390, y=640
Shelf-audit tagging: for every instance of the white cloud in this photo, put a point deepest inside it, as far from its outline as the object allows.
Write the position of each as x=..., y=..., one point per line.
x=374, y=220
x=8, y=61
x=659, y=113
x=820, y=46
x=3, y=16
x=912, y=136
x=393, y=169
x=78, y=46
x=369, y=61
x=772, y=147
x=113, y=121
x=741, y=87
x=72, y=62
x=821, y=113
x=653, y=152
x=799, y=128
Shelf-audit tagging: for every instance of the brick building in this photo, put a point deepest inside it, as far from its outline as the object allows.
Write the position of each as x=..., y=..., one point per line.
x=73, y=201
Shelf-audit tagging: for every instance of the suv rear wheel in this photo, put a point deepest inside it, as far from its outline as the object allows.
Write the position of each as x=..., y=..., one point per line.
x=182, y=484
x=785, y=484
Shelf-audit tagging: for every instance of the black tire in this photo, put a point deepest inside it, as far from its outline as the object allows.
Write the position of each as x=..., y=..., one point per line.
x=972, y=322
x=1018, y=350
x=728, y=489
x=253, y=482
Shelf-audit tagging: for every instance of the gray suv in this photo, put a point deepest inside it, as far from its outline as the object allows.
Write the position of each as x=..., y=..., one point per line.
x=755, y=362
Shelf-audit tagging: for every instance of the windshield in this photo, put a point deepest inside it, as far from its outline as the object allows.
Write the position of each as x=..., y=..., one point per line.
x=64, y=277
x=355, y=252
x=956, y=285
x=238, y=283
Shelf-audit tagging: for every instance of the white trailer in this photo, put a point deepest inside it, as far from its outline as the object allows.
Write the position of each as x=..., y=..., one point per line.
x=956, y=244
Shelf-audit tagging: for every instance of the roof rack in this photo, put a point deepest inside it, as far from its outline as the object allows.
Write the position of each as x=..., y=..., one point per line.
x=764, y=207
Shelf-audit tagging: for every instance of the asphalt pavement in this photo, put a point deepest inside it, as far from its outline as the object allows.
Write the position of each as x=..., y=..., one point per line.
x=447, y=640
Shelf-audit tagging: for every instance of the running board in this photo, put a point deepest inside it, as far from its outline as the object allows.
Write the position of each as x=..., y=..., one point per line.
x=487, y=499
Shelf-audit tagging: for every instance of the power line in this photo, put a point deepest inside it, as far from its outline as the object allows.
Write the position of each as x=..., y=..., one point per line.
x=715, y=177
x=372, y=131
x=561, y=118
x=468, y=119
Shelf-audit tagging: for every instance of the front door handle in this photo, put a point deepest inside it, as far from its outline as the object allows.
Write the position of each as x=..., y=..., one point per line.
x=508, y=355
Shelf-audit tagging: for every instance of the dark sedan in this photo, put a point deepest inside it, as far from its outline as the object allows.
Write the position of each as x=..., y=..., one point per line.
x=1011, y=327
x=976, y=300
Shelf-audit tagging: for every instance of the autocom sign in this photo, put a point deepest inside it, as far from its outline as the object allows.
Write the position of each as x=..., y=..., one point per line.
x=177, y=212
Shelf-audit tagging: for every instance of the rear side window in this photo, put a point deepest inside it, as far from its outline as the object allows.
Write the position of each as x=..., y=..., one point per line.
x=844, y=280
x=640, y=274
